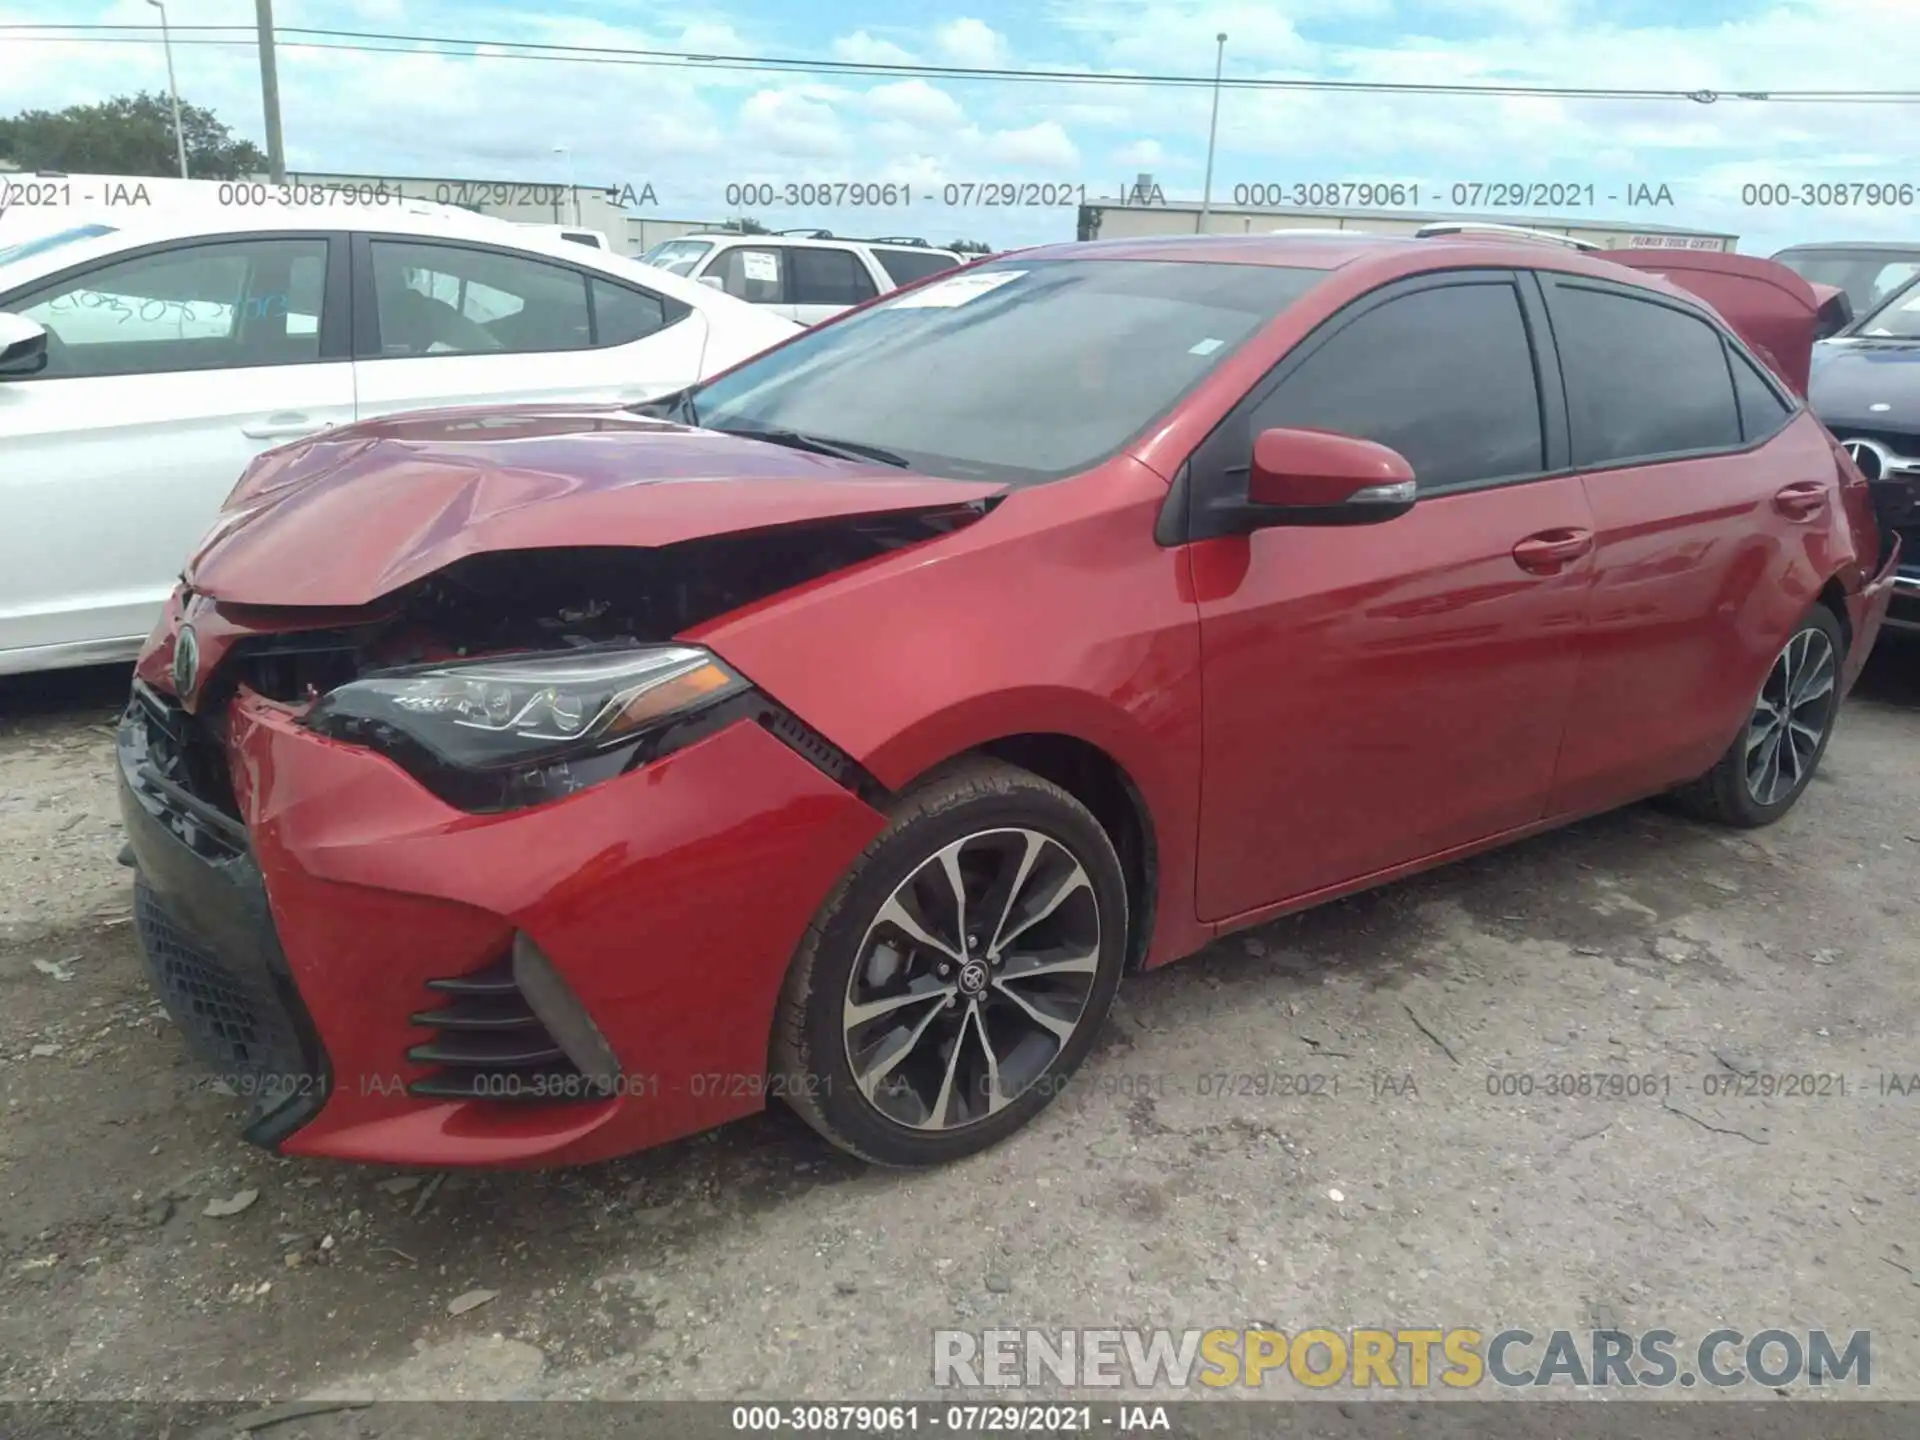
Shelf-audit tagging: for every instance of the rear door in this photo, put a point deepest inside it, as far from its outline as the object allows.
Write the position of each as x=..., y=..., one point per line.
x=441, y=322
x=1708, y=497
x=825, y=280
x=1379, y=694
x=169, y=368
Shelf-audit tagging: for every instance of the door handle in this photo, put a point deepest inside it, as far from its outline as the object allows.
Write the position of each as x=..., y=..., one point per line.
x=1801, y=500
x=1547, y=552
x=282, y=425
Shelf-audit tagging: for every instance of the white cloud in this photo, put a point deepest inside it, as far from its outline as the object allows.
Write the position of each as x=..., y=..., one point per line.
x=1045, y=144
x=915, y=102
x=1143, y=153
x=863, y=49
x=971, y=42
x=783, y=123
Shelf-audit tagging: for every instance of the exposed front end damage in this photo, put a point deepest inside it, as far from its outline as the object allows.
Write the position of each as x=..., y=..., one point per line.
x=444, y=962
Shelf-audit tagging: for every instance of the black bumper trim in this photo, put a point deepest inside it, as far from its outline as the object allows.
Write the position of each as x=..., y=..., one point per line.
x=211, y=949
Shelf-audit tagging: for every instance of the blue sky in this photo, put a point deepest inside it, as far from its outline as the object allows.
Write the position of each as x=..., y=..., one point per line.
x=690, y=132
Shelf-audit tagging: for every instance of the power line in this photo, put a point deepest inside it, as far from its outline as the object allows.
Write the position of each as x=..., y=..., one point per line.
x=391, y=43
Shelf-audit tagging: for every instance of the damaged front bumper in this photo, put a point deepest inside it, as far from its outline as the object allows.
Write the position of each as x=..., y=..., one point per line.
x=338, y=943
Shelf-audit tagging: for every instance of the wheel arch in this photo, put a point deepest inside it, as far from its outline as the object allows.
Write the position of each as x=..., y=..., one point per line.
x=1833, y=595
x=1133, y=781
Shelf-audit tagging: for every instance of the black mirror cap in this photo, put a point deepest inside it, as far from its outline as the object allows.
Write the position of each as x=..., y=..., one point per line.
x=23, y=346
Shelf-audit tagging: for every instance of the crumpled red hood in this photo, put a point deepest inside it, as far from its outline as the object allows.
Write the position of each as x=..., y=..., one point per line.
x=348, y=516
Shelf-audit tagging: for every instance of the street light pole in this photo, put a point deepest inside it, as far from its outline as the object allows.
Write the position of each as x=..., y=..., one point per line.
x=573, y=187
x=173, y=90
x=1213, y=129
x=270, y=92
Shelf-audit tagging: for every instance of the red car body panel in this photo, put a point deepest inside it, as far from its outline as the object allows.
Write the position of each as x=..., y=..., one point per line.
x=1276, y=702
x=632, y=888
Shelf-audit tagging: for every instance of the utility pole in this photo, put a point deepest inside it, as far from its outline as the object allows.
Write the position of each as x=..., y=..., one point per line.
x=270, y=92
x=173, y=89
x=1213, y=129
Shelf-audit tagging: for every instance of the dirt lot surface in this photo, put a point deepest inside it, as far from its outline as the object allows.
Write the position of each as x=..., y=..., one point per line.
x=753, y=1262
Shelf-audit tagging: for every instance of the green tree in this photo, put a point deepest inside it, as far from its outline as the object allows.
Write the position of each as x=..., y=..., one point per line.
x=128, y=135
x=746, y=225
x=971, y=247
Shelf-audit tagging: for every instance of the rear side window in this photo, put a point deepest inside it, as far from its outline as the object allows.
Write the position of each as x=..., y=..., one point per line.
x=905, y=266
x=828, y=277
x=621, y=316
x=1762, y=411
x=1644, y=380
x=1445, y=376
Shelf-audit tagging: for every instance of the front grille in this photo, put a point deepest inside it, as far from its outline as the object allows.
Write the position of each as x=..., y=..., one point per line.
x=489, y=1045
x=234, y=1020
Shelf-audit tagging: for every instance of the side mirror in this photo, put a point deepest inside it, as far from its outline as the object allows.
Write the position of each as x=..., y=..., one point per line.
x=23, y=345
x=715, y=282
x=1835, y=313
x=1314, y=477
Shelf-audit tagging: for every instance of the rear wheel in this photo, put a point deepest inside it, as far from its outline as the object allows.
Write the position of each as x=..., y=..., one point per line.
x=958, y=974
x=1777, y=751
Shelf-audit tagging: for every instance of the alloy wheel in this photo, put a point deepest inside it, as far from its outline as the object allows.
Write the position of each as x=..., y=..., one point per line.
x=1791, y=717
x=971, y=979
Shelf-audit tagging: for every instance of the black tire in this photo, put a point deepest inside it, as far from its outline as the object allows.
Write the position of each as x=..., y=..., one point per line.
x=1725, y=794
x=985, y=807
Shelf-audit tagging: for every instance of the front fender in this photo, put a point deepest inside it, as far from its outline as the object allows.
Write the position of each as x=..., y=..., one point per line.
x=1055, y=614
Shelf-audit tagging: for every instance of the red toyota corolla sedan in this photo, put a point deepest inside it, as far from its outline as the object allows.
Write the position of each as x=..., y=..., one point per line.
x=528, y=786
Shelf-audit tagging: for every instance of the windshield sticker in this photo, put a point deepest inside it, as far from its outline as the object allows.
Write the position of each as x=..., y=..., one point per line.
x=945, y=294
x=1206, y=347
x=759, y=265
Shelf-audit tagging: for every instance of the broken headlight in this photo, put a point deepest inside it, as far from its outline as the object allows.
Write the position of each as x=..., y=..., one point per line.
x=517, y=730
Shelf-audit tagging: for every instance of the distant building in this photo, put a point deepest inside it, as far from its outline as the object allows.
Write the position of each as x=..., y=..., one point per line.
x=1125, y=218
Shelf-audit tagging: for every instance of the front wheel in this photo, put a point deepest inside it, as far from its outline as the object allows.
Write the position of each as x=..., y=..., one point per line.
x=1772, y=760
x=958, y=974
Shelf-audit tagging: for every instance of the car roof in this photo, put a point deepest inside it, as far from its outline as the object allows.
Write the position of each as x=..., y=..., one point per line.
x=191, y=219
x=1386, y=255
x=835, y=241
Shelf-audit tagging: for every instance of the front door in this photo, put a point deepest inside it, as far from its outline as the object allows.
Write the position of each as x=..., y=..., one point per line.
x=1378, y=694
x=168, y=370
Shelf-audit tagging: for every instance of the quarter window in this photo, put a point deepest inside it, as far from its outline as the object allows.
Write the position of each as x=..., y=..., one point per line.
x=829, y=277
x=221, y=306
x=1444, y=376
x=621, y=316
x=1761, y=408
x=1644, y=380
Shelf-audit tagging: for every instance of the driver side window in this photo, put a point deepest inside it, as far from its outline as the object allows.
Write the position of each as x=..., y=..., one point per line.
x=467, y=300
x=218, y=306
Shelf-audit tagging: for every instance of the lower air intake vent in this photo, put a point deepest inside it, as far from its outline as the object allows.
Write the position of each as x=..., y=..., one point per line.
x=489, y=1045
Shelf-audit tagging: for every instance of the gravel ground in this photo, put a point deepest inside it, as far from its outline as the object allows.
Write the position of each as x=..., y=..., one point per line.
x=753, y=1262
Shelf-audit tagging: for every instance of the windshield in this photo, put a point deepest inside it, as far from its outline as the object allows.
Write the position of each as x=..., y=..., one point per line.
x=1868, y=276
x=39, y=244
x=1897, y=319
x=677, y=257
x=1017, y=371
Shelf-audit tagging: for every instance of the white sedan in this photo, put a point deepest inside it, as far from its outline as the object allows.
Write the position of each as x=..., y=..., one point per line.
x=177, y=347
